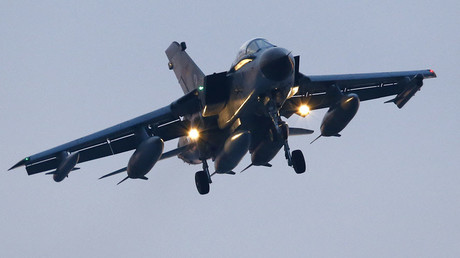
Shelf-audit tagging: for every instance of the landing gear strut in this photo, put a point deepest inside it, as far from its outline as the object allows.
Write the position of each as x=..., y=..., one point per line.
x=203, y=179
x=296, y=159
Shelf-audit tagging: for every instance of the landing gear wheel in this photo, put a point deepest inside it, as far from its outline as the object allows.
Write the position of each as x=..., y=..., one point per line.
x=298, y=161
x=202, y=182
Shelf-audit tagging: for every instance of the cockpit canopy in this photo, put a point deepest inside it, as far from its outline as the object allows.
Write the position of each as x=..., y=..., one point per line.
x=250, y=47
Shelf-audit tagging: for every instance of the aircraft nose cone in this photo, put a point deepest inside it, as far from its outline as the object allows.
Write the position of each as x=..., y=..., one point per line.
x=276, y=63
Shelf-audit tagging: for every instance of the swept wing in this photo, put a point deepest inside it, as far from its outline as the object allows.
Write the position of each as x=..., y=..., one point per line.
x=313, y=90
x=165, y=122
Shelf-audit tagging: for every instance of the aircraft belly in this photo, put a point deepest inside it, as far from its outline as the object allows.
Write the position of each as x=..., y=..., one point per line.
x=245, y=95
x=235, y=147
x=191, y=155
x=242, y=95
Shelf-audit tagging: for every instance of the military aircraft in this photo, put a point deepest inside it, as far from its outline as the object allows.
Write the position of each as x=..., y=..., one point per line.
x=222, y=116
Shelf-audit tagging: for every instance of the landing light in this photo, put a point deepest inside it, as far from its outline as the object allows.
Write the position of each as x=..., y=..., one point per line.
x=304, y=110
x=193, y=134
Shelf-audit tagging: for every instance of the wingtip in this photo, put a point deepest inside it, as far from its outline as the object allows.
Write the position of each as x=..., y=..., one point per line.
x=20, y=163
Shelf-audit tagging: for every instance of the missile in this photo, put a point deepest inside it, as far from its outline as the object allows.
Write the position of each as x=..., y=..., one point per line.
x=235, y=147
x=67, y=163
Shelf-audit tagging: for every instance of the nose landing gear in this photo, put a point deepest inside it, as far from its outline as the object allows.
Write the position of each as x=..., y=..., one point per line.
x=294, y=159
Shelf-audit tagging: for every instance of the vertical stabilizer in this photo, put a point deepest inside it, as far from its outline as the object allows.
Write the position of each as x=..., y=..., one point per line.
x=187, y=72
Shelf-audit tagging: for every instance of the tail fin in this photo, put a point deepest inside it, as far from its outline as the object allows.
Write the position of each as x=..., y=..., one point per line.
x=187, y=72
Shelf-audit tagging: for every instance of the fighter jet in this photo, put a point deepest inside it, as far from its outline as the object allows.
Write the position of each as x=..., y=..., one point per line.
x=223, y=116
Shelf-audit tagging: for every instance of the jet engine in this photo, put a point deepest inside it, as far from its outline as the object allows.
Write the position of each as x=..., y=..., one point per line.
x=339, y=115
x=235, y=147
x=145, y=157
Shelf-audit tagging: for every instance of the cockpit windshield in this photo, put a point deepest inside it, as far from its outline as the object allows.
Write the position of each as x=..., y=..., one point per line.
x=250, y=47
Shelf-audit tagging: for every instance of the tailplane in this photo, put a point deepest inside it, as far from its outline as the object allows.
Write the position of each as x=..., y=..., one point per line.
x=188, y=74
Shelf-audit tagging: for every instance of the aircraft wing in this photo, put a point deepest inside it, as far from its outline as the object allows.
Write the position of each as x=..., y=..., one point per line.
x=164, y=122
x=313, y=89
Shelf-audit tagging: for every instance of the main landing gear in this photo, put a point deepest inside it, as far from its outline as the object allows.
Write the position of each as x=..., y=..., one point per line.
x=294, y=159
x=298, y=161
x=203, y=179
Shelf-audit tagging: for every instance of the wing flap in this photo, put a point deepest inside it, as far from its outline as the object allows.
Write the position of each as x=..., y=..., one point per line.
x=99, y=138
x=353, y=80
x=96, y=152
x=43, y=166
x=172, y=130
x=87, y=154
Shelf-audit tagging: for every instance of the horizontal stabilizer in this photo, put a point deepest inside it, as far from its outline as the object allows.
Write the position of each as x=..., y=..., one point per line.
x=115, y=172
x=299, y=131
x=174, y=152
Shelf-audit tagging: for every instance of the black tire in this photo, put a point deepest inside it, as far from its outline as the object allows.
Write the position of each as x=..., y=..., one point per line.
x=298, y=161
x=202, y=182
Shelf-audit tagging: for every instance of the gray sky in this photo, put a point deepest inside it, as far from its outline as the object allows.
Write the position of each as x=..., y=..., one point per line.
x=389, y=187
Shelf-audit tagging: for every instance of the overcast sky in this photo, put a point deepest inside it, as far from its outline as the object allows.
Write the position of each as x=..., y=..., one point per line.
x=389, y=187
